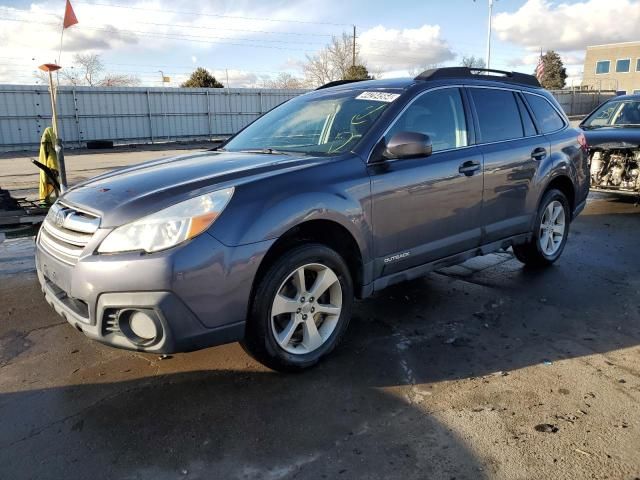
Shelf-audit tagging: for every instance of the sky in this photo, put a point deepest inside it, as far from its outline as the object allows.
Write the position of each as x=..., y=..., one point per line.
x=247, y=42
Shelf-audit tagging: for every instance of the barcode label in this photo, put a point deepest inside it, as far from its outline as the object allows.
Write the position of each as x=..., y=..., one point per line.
x=378, y=96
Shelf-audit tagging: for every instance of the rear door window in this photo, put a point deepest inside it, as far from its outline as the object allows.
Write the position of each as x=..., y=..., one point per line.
x=498, y=114
x=527, y=122
x=548, y=118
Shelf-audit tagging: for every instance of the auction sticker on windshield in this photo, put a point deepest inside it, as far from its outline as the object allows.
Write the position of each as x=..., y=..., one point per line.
x=378, y=96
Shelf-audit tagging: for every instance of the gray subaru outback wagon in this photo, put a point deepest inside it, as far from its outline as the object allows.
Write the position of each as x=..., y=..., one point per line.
x=335, y=194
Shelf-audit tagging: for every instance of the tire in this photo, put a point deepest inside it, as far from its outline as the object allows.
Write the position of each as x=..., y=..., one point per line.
x=287, y=341
x=539, y=252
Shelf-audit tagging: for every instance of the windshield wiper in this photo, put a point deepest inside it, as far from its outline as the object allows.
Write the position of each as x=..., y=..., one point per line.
x=266, y=151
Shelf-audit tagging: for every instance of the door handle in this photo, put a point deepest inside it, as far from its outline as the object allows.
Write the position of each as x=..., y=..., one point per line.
x=539, y=153
x=469, y=167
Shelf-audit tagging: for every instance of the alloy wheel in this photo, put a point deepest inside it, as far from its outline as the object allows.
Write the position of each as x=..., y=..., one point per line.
x=552, y=228
x=306, y=308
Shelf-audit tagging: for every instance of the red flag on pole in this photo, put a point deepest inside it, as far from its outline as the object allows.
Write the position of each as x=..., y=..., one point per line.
x=69, y=16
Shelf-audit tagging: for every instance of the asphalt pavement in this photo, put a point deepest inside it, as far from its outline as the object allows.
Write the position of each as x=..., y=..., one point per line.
x=486, y=370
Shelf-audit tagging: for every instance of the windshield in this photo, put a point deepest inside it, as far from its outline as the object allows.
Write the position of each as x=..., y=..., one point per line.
x=615, y=113
x=327, y=124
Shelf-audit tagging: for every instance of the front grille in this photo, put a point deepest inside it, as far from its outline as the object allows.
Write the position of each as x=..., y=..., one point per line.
x=66, y=231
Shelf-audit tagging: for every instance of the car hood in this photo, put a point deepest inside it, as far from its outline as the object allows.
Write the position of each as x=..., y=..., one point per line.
x=127, y=194
x=613, y=137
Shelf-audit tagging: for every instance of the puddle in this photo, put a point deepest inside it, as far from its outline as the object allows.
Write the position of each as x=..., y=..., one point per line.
x=17, y=256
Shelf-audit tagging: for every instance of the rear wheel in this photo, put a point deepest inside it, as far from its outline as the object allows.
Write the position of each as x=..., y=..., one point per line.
x=550, y=232
x=300, y=310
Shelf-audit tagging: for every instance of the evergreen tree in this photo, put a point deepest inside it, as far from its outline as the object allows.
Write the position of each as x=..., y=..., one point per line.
x=201, y=78
x=555, y=75
x=357, y=72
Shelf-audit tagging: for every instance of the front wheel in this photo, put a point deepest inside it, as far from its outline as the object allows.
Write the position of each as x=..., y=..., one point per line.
x=300, y=310
x=550, y=232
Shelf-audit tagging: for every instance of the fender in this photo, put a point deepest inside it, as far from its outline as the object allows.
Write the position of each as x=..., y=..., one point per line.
x=338, y=193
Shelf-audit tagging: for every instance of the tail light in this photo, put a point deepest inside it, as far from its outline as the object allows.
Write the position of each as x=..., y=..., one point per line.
x=582, y=140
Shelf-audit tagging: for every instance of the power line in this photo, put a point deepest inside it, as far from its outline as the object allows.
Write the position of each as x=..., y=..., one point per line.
x=215, y=27
x=237, y=17
x=204, y=39
x=189, y=38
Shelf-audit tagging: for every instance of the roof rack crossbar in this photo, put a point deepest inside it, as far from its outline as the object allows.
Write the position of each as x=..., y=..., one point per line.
x=466, y=72
x=335, y=83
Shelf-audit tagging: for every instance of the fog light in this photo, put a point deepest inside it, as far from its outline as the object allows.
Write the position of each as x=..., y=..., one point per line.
x=143, y=325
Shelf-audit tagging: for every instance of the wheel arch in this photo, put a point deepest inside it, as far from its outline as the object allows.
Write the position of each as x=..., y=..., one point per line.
x=326, y=232
x=565, y=185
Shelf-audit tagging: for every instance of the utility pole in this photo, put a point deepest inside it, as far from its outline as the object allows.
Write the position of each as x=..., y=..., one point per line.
x=489, y=34
x=353, y=63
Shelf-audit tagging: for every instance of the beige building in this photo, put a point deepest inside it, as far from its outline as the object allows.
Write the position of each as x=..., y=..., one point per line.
x=615, y=66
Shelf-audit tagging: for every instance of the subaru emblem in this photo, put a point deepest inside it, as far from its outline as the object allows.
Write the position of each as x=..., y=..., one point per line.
x=58, y=217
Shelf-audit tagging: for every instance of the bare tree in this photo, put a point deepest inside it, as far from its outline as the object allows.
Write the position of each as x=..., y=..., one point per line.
x=332, y=62
x=119, y=80
x=376, y=72
x=41, y=77
x=284, y=80
x=88, y=70
x=319, y=69
x=473, y=62
x=341, y=52
x=418, y=69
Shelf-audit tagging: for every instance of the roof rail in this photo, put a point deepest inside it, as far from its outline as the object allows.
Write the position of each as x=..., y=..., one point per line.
x=479, y=73
x=335, y=83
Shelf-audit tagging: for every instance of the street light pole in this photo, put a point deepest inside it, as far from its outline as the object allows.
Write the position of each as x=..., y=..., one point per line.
x=488, y=56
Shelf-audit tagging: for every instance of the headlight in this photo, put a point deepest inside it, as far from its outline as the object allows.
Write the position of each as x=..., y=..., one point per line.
x=169, y=227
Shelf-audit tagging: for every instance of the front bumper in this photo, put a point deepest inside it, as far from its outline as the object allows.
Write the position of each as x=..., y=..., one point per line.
x=198, y=293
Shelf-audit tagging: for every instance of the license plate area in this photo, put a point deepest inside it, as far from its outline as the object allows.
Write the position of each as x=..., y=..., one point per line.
x=58, y=281
x=56, y=276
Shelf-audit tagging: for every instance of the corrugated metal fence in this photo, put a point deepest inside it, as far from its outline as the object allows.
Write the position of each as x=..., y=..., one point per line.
x=577, y=102
x=145, y=115
x=130, y=114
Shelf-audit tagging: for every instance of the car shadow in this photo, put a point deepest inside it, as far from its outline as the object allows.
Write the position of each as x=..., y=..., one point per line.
x=327, y=423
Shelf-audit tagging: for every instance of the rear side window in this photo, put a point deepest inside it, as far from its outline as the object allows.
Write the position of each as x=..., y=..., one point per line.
x=498, y=114
x=548, y=118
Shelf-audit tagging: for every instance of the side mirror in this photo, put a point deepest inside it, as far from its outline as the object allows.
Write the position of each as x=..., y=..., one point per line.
x=408, y=145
